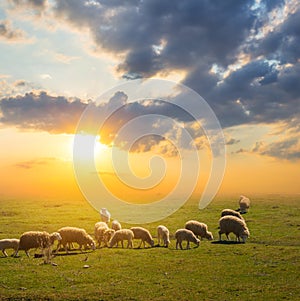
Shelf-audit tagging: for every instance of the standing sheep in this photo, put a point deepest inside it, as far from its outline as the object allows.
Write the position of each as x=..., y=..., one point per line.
x=244, y=204
x=115, y=225
x=231, y=212
x=235, y=225
x=100, y=228
x=185, y=234
x=163, y=235
x=11, y=243
x=121, y=235
x=199, y=229
x=107, y=235
x=36, y=239
x=144, y=235
x=78, y=235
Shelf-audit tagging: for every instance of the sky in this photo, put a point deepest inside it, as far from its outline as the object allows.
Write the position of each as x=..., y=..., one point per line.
x=58, y=57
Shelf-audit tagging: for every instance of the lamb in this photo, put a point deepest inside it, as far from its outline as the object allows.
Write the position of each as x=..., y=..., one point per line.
x=163, y=235
x=12, y=243
x=121, y=235
x=115, y=225
x=37, y=239
x=142, y=234
x=100, y=228
x=107, y=235
x=78, y=235
x=231, y=212
x=235, y=225
x=199, y=229
x=244, y=204
x=185, y=234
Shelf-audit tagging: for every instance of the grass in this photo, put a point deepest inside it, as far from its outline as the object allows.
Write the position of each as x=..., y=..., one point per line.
x=265, y=268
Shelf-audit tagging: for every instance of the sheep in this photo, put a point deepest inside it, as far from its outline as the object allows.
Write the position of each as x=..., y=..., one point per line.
x=11, y=243
x=100, y=228
x=231, y=212
x=244, y=204
x=188, y=235
x=107, y=235
x=37, y=239
x=199, y=229
x=78, y=235
x=121, y=235
x=163, y=235
x=235, y=225
x=115, y=225
x=142, y=234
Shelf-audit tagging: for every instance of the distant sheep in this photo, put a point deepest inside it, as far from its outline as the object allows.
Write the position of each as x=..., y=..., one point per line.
x=121, y=235
x=187, y=235
x=144, y=235
x=115, y=225
x=77, y=235
x=235, y=225
x=199, y=229
x=244, y=204
x=37, y=239
x=11, y=243
x=231, y=212
x=163, y=235
x=100, y=228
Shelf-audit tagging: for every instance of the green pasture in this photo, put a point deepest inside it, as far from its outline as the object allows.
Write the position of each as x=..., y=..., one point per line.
x=267, y=267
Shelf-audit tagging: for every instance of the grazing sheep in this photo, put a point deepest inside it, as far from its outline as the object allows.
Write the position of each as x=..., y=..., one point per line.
x=199, y=229
x=100, y=228
x=231, y=212
x=185, y=234
x=121, y=235
x=163, y=235
x=115, y=225
x=144, y=235
x=78, y=235
x=244, y=204
x=11, y=243
x=107, y=235
x=37, y=239
x=235, y=225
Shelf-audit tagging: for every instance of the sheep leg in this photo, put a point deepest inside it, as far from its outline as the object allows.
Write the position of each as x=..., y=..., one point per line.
x=227, y=236
x=26, y=251
x=5, y=254
x=188, y=245
x=122, y=244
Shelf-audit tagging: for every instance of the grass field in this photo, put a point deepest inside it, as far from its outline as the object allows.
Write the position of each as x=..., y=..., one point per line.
x=267, y=267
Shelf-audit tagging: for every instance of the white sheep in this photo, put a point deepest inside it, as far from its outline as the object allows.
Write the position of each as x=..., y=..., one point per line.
x=163, y=235
x=244, y=204
x=115, y=225
x=199, y=229
x=77, y=235
x=37, y=239
x=121, y=235
x=235, y=225
x=9, y=243
x=100, y=228
x=231, y=212
x=142, y=234
x=107, y=235
x=187, y=235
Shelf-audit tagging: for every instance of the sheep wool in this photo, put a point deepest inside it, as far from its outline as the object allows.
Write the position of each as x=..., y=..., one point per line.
x=77, y=235
x=115, y=225
x=244, y=204
x=100, y=228
x=163, y=235
x=199, y=229
x=232, y=224
x=36, y=239
x=144, y=235
x=121, y=235
x=231, y=212
x=11, y=243
x=185, y=235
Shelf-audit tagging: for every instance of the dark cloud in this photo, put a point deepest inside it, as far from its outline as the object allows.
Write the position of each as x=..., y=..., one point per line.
x=10, y=34
x=36, y=4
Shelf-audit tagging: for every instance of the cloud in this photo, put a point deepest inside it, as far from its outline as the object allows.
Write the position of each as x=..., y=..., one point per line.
x=11, y=35
x=45, y=76
x=42, y=112
x=35, y=163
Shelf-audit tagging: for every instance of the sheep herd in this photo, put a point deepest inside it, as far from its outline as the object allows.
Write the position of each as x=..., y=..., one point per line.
x=231, y=221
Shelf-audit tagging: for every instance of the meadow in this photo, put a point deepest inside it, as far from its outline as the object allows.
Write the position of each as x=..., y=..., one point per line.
x=265, y=268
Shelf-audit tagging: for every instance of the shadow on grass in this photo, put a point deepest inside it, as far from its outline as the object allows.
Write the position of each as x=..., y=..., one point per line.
x=227, y=242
